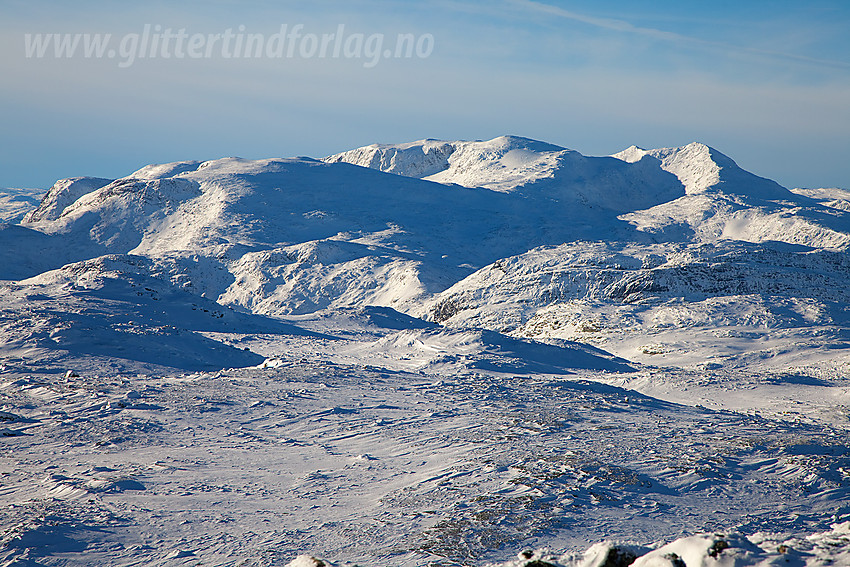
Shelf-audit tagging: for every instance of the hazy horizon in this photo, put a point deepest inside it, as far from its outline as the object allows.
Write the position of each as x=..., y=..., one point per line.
x=765, y=83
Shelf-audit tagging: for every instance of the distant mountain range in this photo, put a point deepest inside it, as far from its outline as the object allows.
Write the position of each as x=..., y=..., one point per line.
x=511, y=234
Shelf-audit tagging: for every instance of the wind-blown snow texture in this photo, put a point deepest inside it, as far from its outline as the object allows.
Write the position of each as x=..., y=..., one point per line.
x=432, y=353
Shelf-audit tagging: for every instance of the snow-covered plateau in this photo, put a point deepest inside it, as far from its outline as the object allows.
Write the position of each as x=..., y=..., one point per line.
x=427, y=354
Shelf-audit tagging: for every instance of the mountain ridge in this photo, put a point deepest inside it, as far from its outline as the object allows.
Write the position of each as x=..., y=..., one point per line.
x=287, y=235
x=615, y=251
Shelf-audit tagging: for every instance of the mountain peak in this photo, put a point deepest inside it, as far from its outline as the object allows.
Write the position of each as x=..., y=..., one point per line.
x=511, y=142
x=702, y=168
x=499, y=164
x=412, y=159
x=63, y=193
x=161, y=171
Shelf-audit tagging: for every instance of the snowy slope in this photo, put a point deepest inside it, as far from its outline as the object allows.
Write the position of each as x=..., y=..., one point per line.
x=429, y=353
x=641, y=301
x=328, y=235
x=500, y=164
x=205, y=219
x=534, y=169
x=333, y=235
x=374, y=467
x=692, y=192
x=63, y=193
x=15, y=203
x=110, y=307
x=724, y=201
x=702, y=169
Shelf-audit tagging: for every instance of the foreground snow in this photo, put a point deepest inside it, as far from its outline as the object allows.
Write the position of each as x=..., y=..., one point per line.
x=390, y=468
x=821, y=549
x=433, y=353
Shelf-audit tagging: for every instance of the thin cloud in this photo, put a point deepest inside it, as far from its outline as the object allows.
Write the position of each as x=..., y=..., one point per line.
x=627, y=27
x=604, y=23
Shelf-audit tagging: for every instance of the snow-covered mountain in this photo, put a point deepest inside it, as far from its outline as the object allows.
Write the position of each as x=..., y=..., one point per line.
x=723, y=201
x=533, y=169
x=694, y=305
x=328, y=234
x=16, y=203
x=417, y=353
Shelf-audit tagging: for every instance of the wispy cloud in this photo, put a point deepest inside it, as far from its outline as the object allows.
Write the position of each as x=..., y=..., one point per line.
x=624, y=26
x=604, y=23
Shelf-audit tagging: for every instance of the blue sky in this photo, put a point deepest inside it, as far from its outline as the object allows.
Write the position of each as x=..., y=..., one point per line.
x=767, y=83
